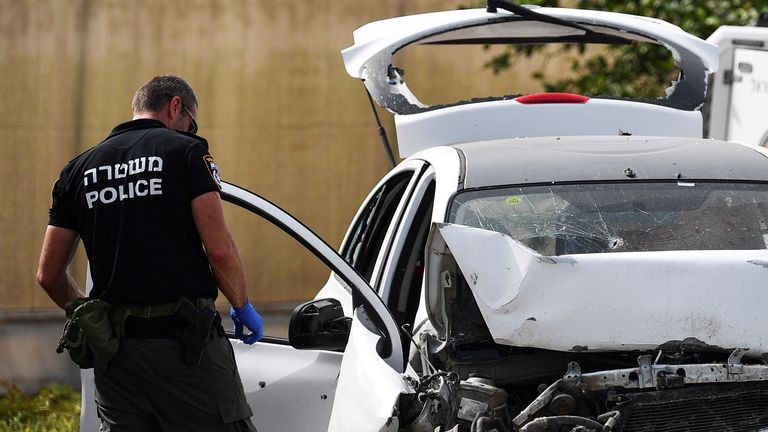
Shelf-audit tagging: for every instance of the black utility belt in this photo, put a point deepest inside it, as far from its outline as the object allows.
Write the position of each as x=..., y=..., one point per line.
x=148, y=326
x=166, y=327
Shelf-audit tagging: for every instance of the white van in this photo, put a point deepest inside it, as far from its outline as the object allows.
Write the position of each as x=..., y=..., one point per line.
x=739, y=90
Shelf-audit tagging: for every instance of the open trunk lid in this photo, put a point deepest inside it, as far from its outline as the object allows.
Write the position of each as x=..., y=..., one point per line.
x=421, y=126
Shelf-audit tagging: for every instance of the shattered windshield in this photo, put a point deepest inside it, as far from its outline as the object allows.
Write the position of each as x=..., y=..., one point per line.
x=622, y=217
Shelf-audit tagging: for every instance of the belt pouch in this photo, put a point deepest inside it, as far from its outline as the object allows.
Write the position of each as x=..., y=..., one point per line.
x=88, y=336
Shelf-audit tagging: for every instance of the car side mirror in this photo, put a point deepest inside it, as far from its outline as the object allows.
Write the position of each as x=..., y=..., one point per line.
x=319, y=324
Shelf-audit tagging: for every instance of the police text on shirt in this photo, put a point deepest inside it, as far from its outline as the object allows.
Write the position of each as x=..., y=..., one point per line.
x=129, y=190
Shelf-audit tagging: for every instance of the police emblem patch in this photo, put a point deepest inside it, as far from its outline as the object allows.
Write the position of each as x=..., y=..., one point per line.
x=213, y=169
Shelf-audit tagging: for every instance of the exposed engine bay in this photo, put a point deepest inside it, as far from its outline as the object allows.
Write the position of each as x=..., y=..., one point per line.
x=468, y=382
x=716, y=396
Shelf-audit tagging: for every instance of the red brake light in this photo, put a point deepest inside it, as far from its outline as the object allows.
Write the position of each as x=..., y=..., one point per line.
x=548, y=98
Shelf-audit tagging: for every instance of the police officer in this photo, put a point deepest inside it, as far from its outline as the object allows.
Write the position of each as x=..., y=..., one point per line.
x=146, y=204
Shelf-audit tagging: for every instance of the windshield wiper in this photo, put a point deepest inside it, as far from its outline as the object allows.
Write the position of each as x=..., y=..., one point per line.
x=590, y=36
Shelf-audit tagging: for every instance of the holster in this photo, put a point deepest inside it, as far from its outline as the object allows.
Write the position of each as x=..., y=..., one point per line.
x=202, y=324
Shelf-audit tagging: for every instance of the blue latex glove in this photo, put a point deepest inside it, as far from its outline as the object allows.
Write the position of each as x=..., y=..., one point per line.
x=247, y=316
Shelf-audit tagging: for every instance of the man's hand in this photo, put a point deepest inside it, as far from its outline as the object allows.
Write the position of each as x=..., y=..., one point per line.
x=247, y=315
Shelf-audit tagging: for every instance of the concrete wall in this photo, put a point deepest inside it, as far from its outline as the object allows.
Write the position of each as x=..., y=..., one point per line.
x=28, y=351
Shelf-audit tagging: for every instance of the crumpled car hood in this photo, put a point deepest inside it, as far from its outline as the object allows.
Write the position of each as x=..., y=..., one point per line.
x=608, y=301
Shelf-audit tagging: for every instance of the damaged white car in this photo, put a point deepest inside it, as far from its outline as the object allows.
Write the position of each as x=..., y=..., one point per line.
x=536, y=263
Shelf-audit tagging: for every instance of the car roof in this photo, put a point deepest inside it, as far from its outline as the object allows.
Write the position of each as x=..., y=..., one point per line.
x=608, y=158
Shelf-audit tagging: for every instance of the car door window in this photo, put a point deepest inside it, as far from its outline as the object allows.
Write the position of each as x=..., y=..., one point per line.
x=372, y=230
x=408, y=273
x=403, y=275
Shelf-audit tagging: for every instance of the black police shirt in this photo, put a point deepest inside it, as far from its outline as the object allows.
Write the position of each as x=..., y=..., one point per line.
x=129, y=198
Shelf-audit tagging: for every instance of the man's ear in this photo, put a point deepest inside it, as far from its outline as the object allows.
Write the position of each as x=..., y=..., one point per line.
x=173, y=109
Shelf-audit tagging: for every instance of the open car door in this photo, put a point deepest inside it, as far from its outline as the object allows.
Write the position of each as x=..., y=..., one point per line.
x=292, y=388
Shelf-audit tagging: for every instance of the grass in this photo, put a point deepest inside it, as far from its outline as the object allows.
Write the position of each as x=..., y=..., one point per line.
x=54, y=409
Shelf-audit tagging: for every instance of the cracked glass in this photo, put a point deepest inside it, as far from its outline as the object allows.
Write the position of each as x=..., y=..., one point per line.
x=622, y=217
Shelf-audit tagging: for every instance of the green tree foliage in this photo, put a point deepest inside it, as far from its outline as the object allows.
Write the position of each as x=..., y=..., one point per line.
x=636, y=70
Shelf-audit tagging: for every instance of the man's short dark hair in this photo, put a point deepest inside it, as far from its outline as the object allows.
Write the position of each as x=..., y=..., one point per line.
x=153, y=96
